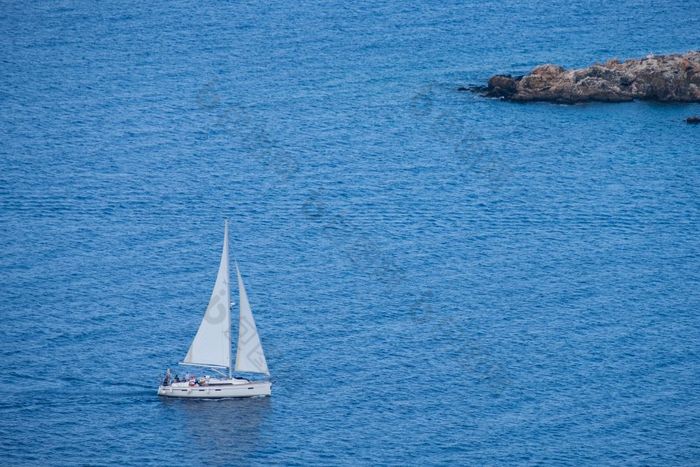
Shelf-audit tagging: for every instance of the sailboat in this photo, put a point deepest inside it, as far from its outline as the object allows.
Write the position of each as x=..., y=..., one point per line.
x=211, y=347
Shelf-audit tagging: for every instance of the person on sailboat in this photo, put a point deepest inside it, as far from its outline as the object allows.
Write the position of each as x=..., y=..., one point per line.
x=166, y=380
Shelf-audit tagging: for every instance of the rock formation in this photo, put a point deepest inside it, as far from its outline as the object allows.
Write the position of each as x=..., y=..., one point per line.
x=666, y=78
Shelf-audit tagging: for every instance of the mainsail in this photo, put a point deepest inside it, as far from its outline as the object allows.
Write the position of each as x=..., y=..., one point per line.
x=212, y=344
x=249, y=356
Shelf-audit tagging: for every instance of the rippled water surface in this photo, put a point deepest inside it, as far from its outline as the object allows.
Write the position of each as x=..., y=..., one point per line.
x=436, y=277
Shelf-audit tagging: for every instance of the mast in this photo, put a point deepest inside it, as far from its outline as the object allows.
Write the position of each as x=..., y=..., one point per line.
x=230, y=304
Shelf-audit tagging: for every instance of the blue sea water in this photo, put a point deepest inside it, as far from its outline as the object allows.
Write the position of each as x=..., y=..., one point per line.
x=437, y=277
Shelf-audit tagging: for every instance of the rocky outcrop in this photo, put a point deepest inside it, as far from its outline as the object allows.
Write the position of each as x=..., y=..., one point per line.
x=666, y=78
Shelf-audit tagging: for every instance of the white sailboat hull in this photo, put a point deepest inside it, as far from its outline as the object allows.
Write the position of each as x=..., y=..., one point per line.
x=225, y=389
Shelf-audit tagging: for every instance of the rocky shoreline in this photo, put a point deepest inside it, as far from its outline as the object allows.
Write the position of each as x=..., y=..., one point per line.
x=664, y=78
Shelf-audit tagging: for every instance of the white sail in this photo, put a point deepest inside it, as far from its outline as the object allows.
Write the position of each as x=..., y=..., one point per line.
x=212, y=344
x=249, y=356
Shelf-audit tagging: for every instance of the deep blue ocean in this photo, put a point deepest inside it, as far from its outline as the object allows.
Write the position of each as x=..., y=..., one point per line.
x=437, y=278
